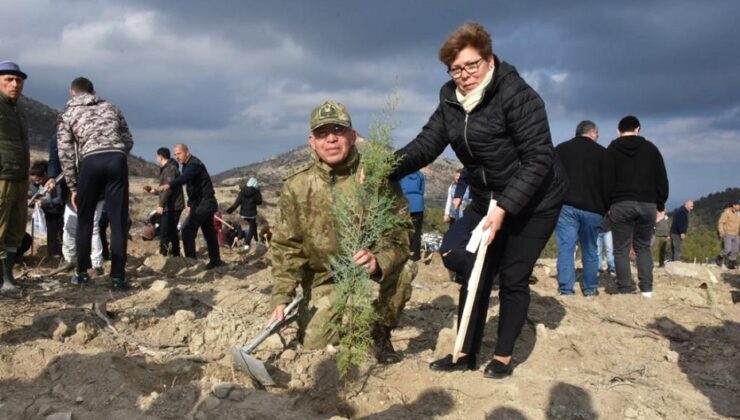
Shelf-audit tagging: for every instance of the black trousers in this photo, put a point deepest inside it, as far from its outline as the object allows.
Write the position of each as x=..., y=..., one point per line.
x=104, y=173
x=511, y=257
x=169, y=240
x=201, y=217
x=633, y=224
x=252, y=230
x=418, y=220
x=54, y=226
x=103, y=232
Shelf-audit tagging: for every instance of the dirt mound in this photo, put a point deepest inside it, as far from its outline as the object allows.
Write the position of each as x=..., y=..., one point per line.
x=166, y=353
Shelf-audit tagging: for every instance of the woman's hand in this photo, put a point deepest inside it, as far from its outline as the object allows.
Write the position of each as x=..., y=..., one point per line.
x=494, y=222
x=366, y=259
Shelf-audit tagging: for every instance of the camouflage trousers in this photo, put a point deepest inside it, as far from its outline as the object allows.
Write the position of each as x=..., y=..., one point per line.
x=317, y=312
x=13, y=214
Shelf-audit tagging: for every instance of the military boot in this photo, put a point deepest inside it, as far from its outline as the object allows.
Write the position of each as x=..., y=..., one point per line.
x=9, y=286
x=382, y=346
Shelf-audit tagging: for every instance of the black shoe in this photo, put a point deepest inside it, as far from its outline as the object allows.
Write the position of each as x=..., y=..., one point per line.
x=99, y=271
x=214, y=264
x=731, y=265
x=80, y=279
x=497, y=369
x=382, y=346
x=446, y=364
x=119, y=285
x=719, y=260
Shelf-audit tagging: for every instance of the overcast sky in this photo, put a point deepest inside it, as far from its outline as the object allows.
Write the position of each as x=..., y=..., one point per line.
x=236, y=80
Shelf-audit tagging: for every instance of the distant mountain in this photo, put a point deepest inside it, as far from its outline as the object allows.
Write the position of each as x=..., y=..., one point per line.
x=270, y=174
x=41, y=121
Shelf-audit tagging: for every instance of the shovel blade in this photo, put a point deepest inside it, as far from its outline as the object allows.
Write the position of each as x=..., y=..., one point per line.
x=248, y=363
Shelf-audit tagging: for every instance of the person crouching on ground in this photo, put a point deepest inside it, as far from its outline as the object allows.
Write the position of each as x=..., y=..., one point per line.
x=304, y=239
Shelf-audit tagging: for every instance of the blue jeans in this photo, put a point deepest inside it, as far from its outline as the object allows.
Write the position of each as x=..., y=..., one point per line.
x=575, y=225
x=605, y=243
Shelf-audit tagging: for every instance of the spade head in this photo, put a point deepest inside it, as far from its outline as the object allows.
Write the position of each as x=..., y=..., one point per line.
x=245, y=362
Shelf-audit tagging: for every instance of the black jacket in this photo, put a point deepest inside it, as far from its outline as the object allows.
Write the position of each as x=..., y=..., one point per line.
x=197, y=183
x=634, y=171
x=680, y=221
x=504, y=144
x=583, y=160
x=172, y=199
x=249, y=198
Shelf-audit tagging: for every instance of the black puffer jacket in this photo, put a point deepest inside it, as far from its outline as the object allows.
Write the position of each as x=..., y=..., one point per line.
x=249, y=198
x=504, y=143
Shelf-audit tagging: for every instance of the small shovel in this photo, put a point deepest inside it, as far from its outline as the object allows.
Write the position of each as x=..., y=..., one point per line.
x=242, y=359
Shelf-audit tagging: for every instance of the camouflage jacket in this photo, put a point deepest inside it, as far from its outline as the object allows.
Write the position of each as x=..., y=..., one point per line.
x=89, y=125
x=14, y=149
x=304, y=236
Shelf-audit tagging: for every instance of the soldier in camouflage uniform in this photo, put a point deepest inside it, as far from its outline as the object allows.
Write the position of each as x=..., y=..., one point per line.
x=304, y=239
x=14, y=163
x=94, y=142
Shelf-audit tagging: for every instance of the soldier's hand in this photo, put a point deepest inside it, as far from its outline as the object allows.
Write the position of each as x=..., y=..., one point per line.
x=366, y=259
x=278, y=314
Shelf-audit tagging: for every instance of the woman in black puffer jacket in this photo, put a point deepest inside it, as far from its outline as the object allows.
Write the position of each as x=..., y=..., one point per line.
x=249, y=198
x=497, y=126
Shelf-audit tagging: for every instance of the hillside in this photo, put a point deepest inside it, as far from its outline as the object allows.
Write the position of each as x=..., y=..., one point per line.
x=41, y=120
x=270, y=173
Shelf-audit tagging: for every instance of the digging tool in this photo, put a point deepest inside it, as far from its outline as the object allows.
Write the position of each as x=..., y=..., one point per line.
x=242, y=359
x=224, y=222
x=472, y=286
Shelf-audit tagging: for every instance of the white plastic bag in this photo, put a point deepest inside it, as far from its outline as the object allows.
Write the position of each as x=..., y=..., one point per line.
x=39, y=222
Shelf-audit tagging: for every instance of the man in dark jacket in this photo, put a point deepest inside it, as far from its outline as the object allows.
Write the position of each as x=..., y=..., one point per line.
x=201, y=203
x=14, y=163
x=679, y=228
x=636, y=184
x=171, y=204
x=583, y=209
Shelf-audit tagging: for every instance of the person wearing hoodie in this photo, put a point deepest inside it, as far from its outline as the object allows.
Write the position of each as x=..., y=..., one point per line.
x=497, y=126
x=248, y=199
x=171, y=204
x=94, y=142
x=636, y=186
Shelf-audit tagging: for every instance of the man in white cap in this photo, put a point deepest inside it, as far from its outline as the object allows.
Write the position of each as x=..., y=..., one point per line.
x=14, y=165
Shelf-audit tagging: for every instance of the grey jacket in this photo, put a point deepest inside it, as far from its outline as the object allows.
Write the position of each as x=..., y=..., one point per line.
x=89, y=125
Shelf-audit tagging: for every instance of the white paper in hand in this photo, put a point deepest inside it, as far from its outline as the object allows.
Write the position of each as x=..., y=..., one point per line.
x=477, y=236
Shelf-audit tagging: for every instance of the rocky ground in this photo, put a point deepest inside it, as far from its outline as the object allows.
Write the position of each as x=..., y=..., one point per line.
x=166, y=352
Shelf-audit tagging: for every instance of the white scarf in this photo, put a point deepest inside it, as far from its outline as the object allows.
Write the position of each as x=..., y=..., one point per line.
x=472, y=99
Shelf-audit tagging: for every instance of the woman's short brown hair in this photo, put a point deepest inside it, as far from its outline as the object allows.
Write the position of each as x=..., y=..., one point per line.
x=471, y=34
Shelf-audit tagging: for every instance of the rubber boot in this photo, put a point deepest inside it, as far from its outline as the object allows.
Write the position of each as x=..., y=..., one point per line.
x=382, y=346
x=9, y=286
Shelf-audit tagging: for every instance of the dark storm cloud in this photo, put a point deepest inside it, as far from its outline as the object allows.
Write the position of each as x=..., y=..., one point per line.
x=246, y=73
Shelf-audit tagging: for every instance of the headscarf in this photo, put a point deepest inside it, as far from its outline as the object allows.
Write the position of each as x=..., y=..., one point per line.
x=252, y=182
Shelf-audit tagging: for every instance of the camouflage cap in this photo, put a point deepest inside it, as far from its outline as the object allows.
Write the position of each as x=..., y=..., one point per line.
x=330, y=112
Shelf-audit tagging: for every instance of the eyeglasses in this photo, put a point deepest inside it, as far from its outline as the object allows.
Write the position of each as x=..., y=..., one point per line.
x=323, y=132
x=470, y=68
